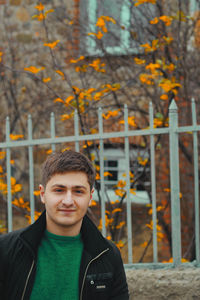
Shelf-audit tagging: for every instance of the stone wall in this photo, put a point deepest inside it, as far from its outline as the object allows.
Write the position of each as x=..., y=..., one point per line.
x=171, y=284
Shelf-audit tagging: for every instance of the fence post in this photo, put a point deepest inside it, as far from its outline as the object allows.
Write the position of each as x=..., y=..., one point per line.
x=174, y=184
x=31, y=170
x=196, y=181
x=8, y=168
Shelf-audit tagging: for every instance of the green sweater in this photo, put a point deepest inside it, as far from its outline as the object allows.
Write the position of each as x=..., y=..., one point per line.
x=57, y=270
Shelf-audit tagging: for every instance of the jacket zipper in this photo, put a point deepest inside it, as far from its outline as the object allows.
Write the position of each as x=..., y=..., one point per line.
x=27, y=279
x=81, y=294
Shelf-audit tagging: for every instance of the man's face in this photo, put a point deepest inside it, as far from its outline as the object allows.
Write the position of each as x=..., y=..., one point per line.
x=66, y=198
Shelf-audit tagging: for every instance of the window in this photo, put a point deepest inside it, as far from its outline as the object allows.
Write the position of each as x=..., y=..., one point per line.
x=114, y=163
x=122, y=38
x=194, y=6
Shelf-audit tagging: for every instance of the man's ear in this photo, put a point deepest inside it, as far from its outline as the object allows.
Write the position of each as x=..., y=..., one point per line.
x=42, y=191
x=92, y=191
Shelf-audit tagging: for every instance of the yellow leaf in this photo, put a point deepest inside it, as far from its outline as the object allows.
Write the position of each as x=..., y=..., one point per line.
x=15, y=137
x=97, y=96
x=2, y=154
x=58, y=100
x=139, y=61
x=144, y=244
x=142, y=161
x=39, y=17
x=168, y=40
x=49, y=11
x=36, y=193
x=89, y=143
x=49, y=151
x=97, y=167
x=99, y=35
x=76, y=90
x=65, y=149
x=17, y=188
x=69, y=99
x=164, y=97
x=60, y=73
x=131, y=121
x=159, y=208
x=120, y=244
x=152, y=67
x=92, y=157
x=121, y=224
x=139, y=2
x=1, y=53
x=97, y=176
x=39, y=7
x=133, y=191
x=167, y=20
x=1, y=169
x=12, y=161
x=47, y=79
x=93, y=203
x=51, y=45
x=171, y=67
x=119, y=193
x=116, y=210
x=65, y=117
x=107, y=174
x=33, y=69
x=121, y=183
x=146, y=78
x=77, y=60
x=154, y=21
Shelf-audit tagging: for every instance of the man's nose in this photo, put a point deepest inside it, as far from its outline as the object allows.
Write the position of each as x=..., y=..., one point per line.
x=67, y=199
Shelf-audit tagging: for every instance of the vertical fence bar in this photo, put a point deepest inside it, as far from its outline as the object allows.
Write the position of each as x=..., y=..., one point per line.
x=101, y=154
x=76, y=130
x=196, y=182
x=174, y=184
x=8, y=168
x=153, y=186
x=53, y=134
x=128, y=199
x=31, y=170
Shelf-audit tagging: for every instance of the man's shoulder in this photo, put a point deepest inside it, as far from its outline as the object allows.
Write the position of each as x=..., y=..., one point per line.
x=11, y=237
x=114, y=250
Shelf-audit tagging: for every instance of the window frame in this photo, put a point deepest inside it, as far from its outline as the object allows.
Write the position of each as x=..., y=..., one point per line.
x=124, y=47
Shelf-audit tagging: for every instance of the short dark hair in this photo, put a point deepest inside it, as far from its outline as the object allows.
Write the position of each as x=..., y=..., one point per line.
x=62, y=162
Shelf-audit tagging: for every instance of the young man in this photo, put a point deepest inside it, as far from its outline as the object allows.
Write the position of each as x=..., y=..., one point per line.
x=62, y=256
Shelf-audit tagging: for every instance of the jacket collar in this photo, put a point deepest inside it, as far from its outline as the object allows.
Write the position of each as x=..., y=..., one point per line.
x=93, y=241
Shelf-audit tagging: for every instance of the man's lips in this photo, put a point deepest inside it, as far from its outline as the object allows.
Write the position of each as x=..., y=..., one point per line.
x=66, y=210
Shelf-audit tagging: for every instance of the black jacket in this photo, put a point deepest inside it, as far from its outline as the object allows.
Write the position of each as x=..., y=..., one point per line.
x=101, y=275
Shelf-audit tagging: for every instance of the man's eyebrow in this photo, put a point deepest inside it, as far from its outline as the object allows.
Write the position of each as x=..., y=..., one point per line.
x=79, y=187
x=74, y=186
x=58, y=185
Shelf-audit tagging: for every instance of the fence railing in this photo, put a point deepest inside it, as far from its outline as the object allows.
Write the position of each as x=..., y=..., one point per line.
x=173, y=131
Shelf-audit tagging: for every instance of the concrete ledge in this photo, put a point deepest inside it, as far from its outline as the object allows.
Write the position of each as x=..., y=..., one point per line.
x=171, y=284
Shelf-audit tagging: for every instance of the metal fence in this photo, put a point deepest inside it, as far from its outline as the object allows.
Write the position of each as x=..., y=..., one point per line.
x=173, y=131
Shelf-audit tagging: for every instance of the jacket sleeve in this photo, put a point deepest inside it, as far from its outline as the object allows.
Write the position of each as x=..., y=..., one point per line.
x=120, y=287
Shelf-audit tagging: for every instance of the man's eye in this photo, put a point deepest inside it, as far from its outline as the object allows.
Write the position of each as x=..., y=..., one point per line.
x=79, y=191
x=58, y=190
